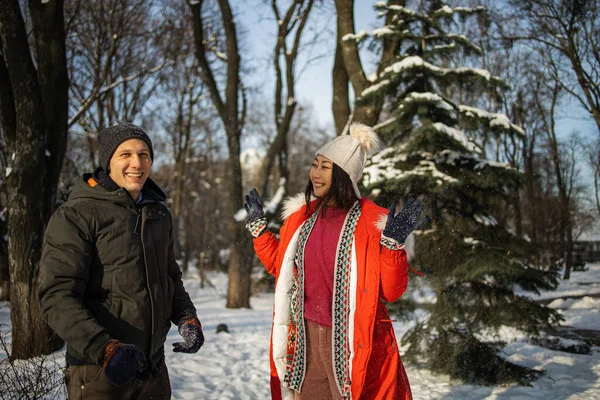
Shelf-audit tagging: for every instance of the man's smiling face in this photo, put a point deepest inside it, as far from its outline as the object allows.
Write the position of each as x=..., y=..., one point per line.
x=130, y=166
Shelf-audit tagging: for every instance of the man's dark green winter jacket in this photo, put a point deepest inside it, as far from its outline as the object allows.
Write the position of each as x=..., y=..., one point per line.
x=108, y=271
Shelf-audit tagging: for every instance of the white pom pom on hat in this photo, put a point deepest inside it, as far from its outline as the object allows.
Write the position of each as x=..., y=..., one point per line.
x=349, y=152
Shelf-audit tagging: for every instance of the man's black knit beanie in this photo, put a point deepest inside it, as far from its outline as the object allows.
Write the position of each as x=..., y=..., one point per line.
x=110, y=138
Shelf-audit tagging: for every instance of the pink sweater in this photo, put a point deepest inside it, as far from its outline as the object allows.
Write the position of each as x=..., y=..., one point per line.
x=319, y=263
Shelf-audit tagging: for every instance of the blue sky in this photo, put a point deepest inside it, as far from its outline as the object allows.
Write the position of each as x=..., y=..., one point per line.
x=314, y=85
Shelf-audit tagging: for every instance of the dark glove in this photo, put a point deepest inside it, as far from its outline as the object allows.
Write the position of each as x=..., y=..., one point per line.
x=399, y=226
x=191, y=331
x=123, y=362
x=253, y=206
x=256, y=222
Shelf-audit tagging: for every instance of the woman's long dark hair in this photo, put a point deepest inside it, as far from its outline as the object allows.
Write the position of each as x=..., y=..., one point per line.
x=341, y=193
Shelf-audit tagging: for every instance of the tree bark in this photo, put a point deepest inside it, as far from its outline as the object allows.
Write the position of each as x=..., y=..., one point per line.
x=35, y=125
x=341, y=95
x=240, y=266
x=364, y=112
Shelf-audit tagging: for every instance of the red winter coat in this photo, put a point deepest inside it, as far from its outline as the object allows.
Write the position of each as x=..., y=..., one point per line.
x=381, y=274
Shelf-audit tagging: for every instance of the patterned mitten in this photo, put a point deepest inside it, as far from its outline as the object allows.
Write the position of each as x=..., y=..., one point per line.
x=191, y=332
x=123, y=362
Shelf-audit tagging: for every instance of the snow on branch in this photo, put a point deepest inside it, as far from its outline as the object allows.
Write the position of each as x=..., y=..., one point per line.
x=383, y=165
x=218, y=54
x=494, y=120
x=417, y=64
x=376, y=88
x=462, y=39
x=359, y=37
x=486, y=220
x=384, y=124
x=402, y=11
x=447, y=11
x=383, y=168
x=426, y=97
x=380, y=33
x=443, y=47
x=454, y=157
x=457, y=135
x=477, y=71
x=384, y=8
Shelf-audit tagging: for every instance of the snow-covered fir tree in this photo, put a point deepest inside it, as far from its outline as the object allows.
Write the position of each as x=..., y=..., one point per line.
x=436, y=151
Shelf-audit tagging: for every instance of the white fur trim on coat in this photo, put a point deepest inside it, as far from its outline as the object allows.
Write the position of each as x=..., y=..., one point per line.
x=409, y=245
x=292, y=204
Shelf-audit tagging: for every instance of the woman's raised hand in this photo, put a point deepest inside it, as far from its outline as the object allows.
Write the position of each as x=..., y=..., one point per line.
x=256, y=222
x=400, y=225
x=253, y=205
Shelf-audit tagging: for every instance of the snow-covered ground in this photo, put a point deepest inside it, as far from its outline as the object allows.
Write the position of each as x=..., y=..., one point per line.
x=235, y=365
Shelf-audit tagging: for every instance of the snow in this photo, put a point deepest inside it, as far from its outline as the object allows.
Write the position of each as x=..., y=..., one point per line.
x=375, y=88
x=372, y=77
x=381, y=32
x=358, y=37
x=235, y=365
x=383, y=168
x=240, y=215
x=485, y=220
x=417, y=62
x=495, y=120
x=441, y=47
x=402, y=10
x=481, y=72
x=428, y=97
x=271, y=205
x=385, y=123
x=470, y=240
x=445, y=10
x=457, y=135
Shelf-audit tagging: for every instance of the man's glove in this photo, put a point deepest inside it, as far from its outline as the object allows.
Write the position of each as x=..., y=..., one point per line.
x=123, y=362
x=191, y=331
x=399, y=226
x=256, y=222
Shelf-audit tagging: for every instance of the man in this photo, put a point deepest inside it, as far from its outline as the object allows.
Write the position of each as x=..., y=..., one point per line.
x=110, y=286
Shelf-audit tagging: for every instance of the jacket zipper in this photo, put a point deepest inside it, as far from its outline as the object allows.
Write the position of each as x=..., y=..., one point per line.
x=139, y=211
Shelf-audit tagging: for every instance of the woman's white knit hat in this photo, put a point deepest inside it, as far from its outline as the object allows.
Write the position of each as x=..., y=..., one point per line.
x=349, y=152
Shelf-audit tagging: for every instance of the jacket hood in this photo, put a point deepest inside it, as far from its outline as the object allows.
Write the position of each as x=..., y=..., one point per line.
x=150, y=192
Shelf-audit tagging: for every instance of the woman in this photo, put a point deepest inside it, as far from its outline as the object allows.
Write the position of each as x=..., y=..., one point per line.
x=332, y=336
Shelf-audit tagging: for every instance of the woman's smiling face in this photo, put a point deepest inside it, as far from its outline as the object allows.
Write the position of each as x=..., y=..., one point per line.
x=320, y=175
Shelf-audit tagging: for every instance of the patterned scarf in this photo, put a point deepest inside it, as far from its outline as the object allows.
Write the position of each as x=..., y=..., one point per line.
x=296, y=358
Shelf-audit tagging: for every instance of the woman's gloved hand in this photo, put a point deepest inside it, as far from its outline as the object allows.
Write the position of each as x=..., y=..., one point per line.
x=256, y=222
x=400, y=225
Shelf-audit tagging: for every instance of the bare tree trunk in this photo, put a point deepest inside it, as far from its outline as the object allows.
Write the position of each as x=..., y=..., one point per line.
x=341, y=94
x=365, y=112
x=594, y=157
x=34, y=120
x=240, y=266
